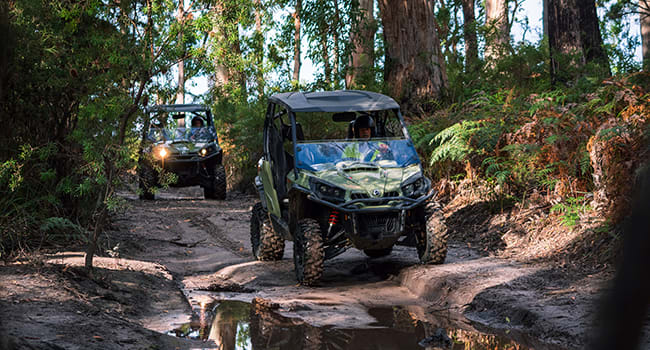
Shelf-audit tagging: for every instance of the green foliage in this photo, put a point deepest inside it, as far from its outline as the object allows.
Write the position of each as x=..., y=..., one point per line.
x=454, y=142
x=240, y=135
x=62, y=230
x=72, y=101
x=570, y=210
x=461, y=141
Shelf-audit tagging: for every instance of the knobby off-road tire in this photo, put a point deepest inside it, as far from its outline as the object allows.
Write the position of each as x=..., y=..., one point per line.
x=147, y=181
x=266, y=243
x=432, y=243
x=378, y=253
x=218, y=188
x=308, y=253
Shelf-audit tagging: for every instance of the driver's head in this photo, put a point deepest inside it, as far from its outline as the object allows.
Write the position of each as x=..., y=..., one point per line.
x=364, y=126
x=197, y=122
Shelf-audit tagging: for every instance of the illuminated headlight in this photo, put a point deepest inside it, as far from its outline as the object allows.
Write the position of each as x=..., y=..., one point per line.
x=162, y=152
x=323, y=190
x=414, y=188
x=207, y=150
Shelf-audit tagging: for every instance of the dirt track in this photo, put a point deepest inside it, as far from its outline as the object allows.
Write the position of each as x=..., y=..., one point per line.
x=181, y=251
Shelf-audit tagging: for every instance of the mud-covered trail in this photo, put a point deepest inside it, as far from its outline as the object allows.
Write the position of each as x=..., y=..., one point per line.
x=171, y=262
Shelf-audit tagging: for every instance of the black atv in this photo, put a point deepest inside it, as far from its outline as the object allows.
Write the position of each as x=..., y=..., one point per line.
x=191, y=153
x=354, y=181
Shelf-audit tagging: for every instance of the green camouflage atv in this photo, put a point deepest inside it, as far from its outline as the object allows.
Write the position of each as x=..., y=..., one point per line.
x=192, y=153
x=352, y=178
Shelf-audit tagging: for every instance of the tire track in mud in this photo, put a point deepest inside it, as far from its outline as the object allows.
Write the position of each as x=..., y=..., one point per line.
x=179, y=215
x=203, y=222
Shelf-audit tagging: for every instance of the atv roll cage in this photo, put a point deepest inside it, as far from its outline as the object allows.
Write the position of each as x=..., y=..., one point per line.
x=326, y=101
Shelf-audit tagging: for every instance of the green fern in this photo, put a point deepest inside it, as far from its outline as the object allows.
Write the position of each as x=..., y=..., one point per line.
x=454, y=142
x=570, y=210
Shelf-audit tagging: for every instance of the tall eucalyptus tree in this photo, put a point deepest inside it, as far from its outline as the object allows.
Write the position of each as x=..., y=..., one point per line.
x=644, y=13
x=469, y=34
x=360, y=70
x=414, y=69
x=574, y=38
x=498, y=33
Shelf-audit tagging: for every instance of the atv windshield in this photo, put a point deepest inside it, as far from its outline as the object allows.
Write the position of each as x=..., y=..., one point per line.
x=202, y=134
x=387, y=153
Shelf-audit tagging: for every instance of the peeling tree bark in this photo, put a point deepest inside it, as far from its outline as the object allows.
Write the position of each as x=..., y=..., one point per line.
x=414, y=69
x=362, y=58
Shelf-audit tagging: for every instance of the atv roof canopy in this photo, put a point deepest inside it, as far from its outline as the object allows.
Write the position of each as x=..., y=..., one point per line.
x=334, y=101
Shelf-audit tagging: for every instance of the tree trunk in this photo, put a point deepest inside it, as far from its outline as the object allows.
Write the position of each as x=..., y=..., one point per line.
x=259, y=49
x=180, y=93
x=414, y=68
x=335, y=41
x=644, y=11
x=227, y=48
x=326, y=56
x=362, y=59
x=296, y=42
x=545, y=17
x=574, y=38
x=469, y=34
x=498, y=34
x=221, y=73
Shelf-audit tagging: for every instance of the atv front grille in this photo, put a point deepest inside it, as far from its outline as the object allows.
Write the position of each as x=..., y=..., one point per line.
x=378, y=223
x=186, y=156
x=358, y=195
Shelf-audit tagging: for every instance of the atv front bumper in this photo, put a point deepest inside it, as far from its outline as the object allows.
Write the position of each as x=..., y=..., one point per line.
x=192, y=170
x=375, y=205
x=377, y=223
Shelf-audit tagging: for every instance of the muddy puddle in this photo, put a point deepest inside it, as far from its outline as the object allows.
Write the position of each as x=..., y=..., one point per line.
x=236, y=325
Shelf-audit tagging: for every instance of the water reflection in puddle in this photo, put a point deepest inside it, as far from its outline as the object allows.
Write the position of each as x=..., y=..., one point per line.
x=235, y=325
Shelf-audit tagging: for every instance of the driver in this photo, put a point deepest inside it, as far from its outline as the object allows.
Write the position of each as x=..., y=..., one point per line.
x=197, y=127
x=364, y=126
x=364, y=129
x=197, y=122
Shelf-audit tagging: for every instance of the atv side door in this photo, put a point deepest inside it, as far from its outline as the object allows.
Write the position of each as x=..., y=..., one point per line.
x=277, y=162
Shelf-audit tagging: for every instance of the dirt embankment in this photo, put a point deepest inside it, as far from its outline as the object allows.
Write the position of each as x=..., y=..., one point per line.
x=163, y=256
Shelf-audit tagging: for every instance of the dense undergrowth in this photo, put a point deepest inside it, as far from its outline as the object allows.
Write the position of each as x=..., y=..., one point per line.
x=574, y=151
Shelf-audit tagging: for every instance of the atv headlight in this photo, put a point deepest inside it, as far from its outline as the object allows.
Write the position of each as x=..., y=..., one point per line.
x=414, y=187
x=162, y=152
x=207, y=150
x=326, y=191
